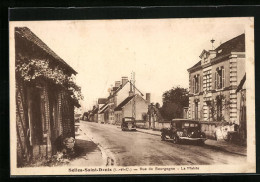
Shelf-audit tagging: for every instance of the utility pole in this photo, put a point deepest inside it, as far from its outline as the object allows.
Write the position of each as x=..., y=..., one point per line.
x=133, y=105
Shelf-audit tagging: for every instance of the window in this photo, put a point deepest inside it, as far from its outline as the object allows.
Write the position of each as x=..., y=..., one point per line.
x=196, y=84
x=196, y=110
x=186, y=124
x=219, y=109
x=220, y=78
x=207, y=81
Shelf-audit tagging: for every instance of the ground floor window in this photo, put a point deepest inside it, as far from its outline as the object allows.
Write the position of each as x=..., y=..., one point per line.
x=219, y=109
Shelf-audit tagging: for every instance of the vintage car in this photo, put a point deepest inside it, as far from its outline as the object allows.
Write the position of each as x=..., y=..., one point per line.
x=128, y=124
x=184, y=129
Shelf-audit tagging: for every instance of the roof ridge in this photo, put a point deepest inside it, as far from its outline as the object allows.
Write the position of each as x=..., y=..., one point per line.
x=230, y=40
x=25, y=30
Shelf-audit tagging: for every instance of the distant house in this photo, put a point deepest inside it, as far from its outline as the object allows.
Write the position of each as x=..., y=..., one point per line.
x=125, y=108
x=119, y=94
x=102, y=114
x=44, y=100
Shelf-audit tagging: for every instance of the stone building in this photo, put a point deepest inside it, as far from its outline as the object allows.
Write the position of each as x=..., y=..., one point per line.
x=213, y=82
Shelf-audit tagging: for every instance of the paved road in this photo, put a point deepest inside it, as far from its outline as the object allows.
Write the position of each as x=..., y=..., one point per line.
x=136, y=148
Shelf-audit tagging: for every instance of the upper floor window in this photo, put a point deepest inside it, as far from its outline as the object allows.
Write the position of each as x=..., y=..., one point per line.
x=207, y=81
x=220, y=78
x=196, y=84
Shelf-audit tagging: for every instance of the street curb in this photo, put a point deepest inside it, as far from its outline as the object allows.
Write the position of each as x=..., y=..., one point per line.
x=241, y=154
x=148, y=133
x=107, y=157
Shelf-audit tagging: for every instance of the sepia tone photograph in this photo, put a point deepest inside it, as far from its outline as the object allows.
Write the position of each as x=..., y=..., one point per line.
x=132, y=96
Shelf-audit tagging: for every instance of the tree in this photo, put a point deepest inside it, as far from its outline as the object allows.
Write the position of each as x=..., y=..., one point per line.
x=173, y=102
x=217, y=106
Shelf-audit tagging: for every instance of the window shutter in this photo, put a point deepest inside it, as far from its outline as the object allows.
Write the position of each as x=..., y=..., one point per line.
x=198, y=83
x=223, y=78
x=199, y=110
x=193, y=85
x=192, y=111
x=215, y=80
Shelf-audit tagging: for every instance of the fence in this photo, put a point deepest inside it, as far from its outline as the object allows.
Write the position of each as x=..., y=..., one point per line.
x=209, y=128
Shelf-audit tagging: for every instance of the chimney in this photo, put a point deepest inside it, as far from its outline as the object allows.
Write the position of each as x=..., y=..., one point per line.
x=212, y=54
x=124, y=80
x=148, y=97
x=117, y=83
x=131, y=92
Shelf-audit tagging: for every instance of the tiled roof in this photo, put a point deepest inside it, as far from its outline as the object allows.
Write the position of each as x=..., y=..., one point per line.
x=196, y=65
x=115, y=88
x=237, y=44
x=123, y=103
x=28, y=35
x=103, y=109
x=103, y=106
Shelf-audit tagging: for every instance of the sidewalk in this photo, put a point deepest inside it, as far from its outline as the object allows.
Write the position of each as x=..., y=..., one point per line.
x=220, y=145
x=88, y=153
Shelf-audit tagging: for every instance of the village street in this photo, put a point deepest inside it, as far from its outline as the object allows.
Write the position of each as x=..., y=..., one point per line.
x=137, y=148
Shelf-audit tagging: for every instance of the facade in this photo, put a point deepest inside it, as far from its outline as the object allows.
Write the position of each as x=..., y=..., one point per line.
x=44, y=103
x=241, y=100
x=124, y=109
x=118, y=94
x=213, y=82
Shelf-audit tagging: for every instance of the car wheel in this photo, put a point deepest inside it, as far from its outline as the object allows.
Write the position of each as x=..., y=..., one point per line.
x=201, y=142
x=163, y=137
x=175, y=139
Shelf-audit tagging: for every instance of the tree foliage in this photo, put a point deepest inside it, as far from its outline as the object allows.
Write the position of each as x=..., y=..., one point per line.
x=173, y=102
x=30, y=70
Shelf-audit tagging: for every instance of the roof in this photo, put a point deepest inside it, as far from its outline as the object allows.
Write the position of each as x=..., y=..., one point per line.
x=122, y=86
x=237, y=44
x=123, y=103
x=242, y=82
x=103, y=109
x=196, y=65
x=102, y=100
x=103, y=106
x=115, y=88
x=28, y=35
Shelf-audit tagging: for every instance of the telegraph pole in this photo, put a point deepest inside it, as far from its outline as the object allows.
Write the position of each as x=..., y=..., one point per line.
x=133, y=105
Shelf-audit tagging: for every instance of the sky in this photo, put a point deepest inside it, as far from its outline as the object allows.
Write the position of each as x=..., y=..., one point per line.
x=159, y=51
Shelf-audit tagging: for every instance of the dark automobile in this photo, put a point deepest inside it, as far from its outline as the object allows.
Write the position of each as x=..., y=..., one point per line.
x=184, y=129
x=128, y=123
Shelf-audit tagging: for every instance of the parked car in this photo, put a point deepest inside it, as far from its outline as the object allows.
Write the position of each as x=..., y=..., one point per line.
x=128, y=124
x=184, y=129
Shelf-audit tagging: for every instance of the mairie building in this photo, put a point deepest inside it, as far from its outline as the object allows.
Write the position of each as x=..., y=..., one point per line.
x=214, y=80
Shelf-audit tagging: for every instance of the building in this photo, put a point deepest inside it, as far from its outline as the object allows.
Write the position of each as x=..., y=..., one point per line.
x=213, y=82
x=125, y=108
x=118, y=94
x=241, y=100
x=44, y=100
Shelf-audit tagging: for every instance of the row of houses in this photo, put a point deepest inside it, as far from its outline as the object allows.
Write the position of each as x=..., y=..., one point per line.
x=217, y=89
x=119, y=104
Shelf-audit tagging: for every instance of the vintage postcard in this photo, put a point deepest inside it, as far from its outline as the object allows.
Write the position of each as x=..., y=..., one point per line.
x=132, y=96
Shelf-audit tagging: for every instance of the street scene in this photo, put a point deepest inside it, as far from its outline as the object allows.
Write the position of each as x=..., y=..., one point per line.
x=130, y=93
x=141, y=148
